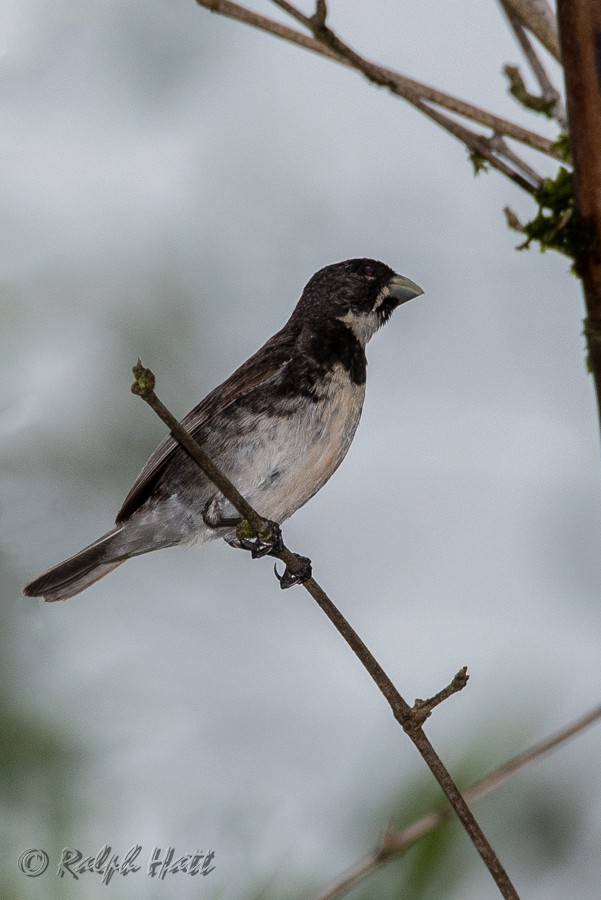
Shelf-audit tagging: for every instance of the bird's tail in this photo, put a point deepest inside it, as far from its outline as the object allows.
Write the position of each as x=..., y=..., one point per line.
x=78, y=572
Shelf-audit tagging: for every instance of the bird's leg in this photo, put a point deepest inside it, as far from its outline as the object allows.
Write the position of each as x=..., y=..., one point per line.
x=246, y=538
x=213, y=517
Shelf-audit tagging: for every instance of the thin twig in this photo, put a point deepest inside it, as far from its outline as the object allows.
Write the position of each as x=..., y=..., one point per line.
x=482, y=146
x=404, y=714
x=296, y=13
x=143, y=387
x=423, y=708
x=499, y=145
x=407, y=88
x=512, y=220
x=395, y=842
x=477, y=143
x=538, y=17
x=550, y=94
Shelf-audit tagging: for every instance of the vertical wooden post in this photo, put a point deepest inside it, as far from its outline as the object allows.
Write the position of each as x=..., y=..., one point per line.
x=580, y=39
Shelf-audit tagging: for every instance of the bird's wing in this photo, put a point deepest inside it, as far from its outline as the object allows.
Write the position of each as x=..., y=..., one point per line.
x=266, y=365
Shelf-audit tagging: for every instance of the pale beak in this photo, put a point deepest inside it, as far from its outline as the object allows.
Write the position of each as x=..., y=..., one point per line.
x=403, y=289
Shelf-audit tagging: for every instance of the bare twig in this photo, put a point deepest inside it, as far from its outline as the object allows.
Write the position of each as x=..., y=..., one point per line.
x=538, y=17
x=143, y=386
x=394, y=842
x=422, y=709
x=550, y=94
x=407, y=88
x=402, y=712
x=320, y=15
x=516, y=170
x=300, y=16
x=499, y=145
x=512, y=220
x=483, y=146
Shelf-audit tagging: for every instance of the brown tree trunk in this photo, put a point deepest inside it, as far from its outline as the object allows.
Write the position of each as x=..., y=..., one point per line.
x=580, y=38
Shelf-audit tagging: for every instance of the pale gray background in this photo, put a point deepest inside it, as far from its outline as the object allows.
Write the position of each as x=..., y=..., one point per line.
x=169, y=181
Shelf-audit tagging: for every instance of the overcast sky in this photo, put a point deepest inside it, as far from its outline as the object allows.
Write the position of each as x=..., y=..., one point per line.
x=169, y=182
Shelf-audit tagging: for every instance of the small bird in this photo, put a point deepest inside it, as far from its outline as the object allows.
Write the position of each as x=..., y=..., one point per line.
x=279, y=427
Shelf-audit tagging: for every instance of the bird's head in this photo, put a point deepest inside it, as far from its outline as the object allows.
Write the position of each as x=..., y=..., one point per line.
x=362, y=293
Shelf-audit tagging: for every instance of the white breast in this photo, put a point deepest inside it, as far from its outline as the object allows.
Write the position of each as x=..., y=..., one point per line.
x=294, y=456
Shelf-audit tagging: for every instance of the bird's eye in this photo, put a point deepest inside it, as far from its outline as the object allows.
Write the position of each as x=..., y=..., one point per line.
x=367, y=270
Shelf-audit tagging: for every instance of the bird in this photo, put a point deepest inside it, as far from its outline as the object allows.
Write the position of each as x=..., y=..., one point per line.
x=278, y=427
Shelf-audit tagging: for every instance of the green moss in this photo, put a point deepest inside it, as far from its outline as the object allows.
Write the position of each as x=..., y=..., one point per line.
x=562, y=146
x=558, y=225
x=479, y=163
x=518, y=89
x=244, y=530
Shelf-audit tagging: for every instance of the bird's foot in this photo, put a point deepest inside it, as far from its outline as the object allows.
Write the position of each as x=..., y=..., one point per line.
x=289, y=579
x=270, y=541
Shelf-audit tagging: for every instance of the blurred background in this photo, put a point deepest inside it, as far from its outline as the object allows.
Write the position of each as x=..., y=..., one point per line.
x=169, y=182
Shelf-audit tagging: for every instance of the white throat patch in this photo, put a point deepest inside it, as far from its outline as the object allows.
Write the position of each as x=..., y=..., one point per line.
x=363, y=325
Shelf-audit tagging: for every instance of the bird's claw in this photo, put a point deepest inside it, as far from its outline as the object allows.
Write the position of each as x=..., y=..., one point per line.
x=271, y=542
x=288, y=579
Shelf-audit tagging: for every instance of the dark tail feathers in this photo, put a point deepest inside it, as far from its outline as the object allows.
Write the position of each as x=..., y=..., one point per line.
x=76, y=573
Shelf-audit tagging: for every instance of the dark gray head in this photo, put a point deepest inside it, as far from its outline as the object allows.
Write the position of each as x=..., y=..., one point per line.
x=363, y=293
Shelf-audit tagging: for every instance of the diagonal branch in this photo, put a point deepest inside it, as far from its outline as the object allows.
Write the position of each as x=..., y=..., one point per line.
x=409, y=89
x=486, y=147
x=395, y=842
x=492, y=149
x=538, y=17
x=410, y=719
x=499, y=145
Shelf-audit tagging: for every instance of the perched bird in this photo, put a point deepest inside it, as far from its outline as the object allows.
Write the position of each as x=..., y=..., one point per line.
x=278, y=428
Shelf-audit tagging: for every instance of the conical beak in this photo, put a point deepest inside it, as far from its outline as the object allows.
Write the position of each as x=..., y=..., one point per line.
x=403, y=289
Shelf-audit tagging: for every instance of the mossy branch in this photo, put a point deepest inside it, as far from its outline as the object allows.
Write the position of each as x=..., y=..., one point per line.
x=535, y=102
x=558, y=225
